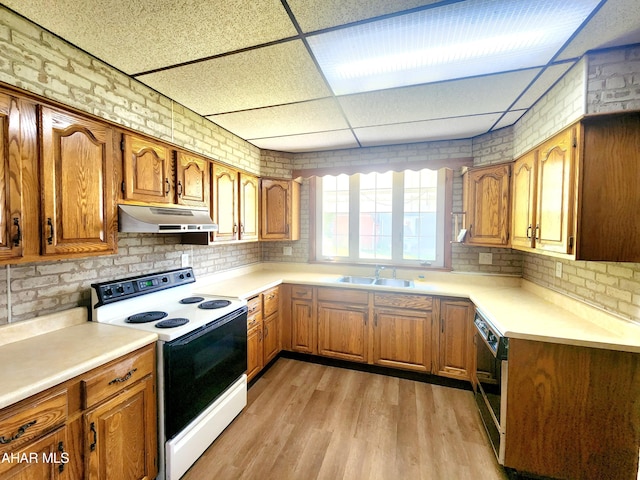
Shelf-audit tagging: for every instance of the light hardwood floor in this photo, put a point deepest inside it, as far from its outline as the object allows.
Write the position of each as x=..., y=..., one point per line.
x=305, y=421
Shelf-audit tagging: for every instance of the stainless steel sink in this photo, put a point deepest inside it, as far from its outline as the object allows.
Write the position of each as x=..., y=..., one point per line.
x=394, y=282
x=357, y=280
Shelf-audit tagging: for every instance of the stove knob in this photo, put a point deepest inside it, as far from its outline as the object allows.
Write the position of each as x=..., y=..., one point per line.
x=188, y=274
x=108, y=291
x=120, y=289
x=165, y=279
x=181, y=276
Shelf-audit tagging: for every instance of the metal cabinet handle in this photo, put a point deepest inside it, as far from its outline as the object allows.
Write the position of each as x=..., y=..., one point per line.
x=537, y=232
x=61, y=450
x=529, y=228
x=50, y=237
x=168, y=185
x=18, y=237
x=18, y=434
x=241, y=228
x=235, y=228
x=124, y=378
x=92, y=428
x=179, y=189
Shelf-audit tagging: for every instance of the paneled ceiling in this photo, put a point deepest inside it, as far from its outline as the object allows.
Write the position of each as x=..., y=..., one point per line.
x=273, y=71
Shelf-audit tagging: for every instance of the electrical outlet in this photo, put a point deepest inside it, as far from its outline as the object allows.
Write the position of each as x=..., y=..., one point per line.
x=559, y=269
x=287, y=250
x=185, y=260
x=485, y=259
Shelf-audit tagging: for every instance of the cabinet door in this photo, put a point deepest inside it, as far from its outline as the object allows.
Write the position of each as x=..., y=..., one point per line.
x=455, y=339
x=302, y=327
x=248, y=207
x=402, y=339
x=11, y=223
x=487, y=205
x=523, y=212
x=554, y=225
x=342, y=331
x=77, y=185
x=45, y=459
x=254, y=351
x=120, y=435
x=224, y=204
x=280, y=210
x=193, y=185
x=147, y=171
x=271, y=343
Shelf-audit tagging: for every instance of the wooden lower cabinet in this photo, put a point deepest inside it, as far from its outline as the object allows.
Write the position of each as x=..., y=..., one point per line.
x=342, y=331
x=118, y=442
x=572, y=412
x=402, y=331
x=453, y=342
x=254, y=352
x=99, y=425
x=263, y=330
x=270, y=337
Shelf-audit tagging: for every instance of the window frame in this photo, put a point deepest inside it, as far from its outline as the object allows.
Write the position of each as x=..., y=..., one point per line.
x=445, y=203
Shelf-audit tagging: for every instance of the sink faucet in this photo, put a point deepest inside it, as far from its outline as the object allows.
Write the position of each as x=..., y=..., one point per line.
x=377, y=272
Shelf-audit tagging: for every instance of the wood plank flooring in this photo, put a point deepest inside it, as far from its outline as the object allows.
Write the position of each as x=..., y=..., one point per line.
x=306, y=421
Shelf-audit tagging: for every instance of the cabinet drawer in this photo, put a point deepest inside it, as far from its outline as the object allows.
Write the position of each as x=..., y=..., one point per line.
x=343, y=295
x=113, y=378
x=302, y=292
x=32, y=418
x=271, y=301
x=417, y=302
x=254, y=315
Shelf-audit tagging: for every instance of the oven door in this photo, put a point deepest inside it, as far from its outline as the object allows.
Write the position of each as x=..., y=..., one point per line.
x=490, y=376
x=200, y=366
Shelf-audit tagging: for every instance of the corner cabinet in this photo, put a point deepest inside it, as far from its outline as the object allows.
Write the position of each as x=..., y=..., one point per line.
x=280, y=209
x=78, y=185
x=486, y=199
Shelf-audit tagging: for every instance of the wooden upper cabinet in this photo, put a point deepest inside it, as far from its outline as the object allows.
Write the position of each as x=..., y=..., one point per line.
x=192, y=187
x=280, y=210
x=523, y=203
x=487, y=192
x=147, y=170
x=78, y=185
x=11, y=222
x=224, y=202
x=249, y=192
x=556, y=174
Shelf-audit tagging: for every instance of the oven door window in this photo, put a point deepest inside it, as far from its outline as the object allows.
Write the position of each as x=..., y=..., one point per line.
x=200, y=366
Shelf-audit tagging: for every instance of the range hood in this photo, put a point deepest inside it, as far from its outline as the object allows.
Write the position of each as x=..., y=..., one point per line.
x=147, y=219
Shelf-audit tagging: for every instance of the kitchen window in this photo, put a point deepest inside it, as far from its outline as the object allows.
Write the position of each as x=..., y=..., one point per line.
x=392, y=217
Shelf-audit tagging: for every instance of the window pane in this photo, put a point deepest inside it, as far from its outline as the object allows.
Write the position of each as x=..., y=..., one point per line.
x=375, y=215
x=335, y=216
x=420, y=206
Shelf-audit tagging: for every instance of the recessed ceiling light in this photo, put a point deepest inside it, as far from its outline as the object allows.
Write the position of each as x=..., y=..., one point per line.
x=469, y=38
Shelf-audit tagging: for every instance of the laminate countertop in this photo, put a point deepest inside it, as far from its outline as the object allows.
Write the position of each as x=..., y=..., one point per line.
x=516, y=307
x=43, y=352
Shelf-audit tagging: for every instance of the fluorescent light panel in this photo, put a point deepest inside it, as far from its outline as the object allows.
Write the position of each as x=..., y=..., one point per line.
x=469, y=38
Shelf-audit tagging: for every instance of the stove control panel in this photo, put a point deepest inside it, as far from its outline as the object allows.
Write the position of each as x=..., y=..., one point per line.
x=114, y=291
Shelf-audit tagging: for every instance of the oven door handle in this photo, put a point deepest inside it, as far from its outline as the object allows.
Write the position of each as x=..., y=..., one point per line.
x=190, y=337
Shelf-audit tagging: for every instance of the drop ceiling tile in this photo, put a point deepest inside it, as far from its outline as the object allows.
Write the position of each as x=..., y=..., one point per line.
x=309, y=142
x=448, y=128
x=274, y=75
x=446, y=99
x=312, y=16
x=615, y=24
x=138, y=35
x=548, y=78
x=509, y=118
x=291, y=119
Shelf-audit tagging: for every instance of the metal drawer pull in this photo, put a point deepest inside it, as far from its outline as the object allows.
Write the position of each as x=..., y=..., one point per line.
x=168, y=185
x=18, y=237
x=124, y=378
x=92, y=428
x=61, y=450
x=50, y=237
x=18, y=434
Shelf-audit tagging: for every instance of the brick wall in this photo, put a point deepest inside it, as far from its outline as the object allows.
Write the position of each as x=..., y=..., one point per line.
x=562, y=105
x=494, y=147
x=613, y=81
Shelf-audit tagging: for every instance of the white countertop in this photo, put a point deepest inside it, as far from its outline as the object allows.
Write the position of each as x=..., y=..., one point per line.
x=32, y=361
x=518, y=308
